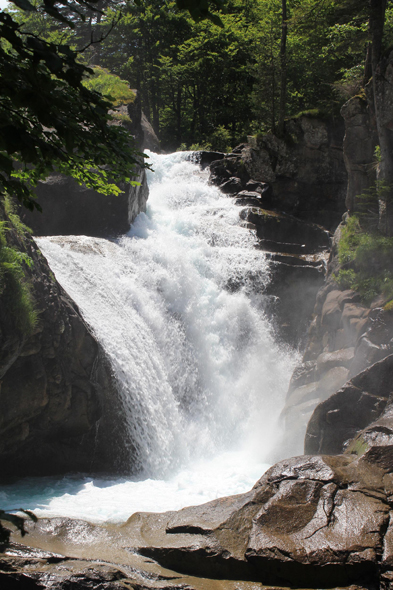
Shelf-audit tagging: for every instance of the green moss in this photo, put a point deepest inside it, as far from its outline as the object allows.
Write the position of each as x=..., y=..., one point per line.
x=358, y=447
x=388, y=307
x=366, y=260
x=121, y=117
x=10, y=210
x=110, y=86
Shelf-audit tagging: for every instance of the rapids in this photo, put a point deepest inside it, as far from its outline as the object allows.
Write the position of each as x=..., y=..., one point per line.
x=178, y=306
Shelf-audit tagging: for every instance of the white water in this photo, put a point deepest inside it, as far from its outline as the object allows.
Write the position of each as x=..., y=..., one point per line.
x=177, y=305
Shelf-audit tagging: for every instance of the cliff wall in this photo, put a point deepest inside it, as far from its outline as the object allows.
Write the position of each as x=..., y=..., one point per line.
x=72, y=209
x=58, y=397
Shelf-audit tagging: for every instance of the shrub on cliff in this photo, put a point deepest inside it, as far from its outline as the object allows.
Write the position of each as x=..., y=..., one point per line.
x=15, y=291
x=366, y=260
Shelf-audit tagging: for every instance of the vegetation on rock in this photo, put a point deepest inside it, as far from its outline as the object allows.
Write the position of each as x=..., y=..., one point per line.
x=15, y=290
x=365, y=258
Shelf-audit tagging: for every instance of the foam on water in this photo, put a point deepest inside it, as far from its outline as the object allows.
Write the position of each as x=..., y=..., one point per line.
x=177, y=304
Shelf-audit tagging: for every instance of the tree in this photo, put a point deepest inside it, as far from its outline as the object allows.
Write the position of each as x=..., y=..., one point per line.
x=48, y=117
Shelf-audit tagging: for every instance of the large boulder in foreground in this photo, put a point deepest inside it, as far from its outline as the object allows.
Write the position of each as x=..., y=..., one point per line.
x=309, y=522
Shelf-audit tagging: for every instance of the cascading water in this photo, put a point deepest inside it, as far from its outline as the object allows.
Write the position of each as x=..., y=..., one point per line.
x=177, y=304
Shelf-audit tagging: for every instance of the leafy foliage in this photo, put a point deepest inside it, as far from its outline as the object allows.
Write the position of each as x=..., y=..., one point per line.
x=15, y=290
x=111, y=87
x=366, y=260
x=48, y=118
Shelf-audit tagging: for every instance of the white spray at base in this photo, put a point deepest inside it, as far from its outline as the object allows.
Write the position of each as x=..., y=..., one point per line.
x=177, y=306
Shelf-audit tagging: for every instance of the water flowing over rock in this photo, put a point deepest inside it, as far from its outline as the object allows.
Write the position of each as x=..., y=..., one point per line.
x=306, y=173
x=178, y=305
x=51, y=382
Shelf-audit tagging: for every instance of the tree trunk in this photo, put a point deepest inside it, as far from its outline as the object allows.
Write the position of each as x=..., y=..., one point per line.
x=385, y=135
x=178, y=113
x=283, y=63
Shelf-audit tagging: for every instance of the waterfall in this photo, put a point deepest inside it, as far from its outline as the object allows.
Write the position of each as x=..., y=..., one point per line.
x=177, y=304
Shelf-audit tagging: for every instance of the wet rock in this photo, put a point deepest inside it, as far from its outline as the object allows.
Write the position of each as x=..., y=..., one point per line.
x=205, y=158
x=302, y=375
x=52, y=382
x=226, y=168
x=286, y=229
x=360, y=402
x=338, y=358
x=366, y=354
x=232, y=186
x=309, y=522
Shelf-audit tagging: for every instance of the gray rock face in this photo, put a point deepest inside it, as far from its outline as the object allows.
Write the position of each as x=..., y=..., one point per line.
x=71, y=209
x=359, y=145
x=52, y=383
x=308, y=176
x=344, y=338
x=336, y=421
x=150, y=140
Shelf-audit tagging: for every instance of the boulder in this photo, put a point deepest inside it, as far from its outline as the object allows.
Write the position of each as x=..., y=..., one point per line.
x=338, y=358
x=72, y=209
x=230, y=166
x=283, y=228
x=205, y=158
x=52, y=382
x=308, y=522
x=342, y=416
x=232, y=186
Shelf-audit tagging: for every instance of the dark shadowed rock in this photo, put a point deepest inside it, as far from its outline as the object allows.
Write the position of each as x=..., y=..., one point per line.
x=307, y=173
x=295, y=281
x=286, y=229
x=232, y=186
x=359, y=403
x=205, y=158
x=52, y=383
x=71, y=209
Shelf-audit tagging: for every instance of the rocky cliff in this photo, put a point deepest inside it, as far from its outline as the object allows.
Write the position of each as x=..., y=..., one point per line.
x=58, y=396
x=321, y=520
x=290, y=193
x=72, y=209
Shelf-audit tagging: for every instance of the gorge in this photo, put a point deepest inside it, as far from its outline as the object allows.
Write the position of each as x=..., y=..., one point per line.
x=178, y=306
x=188, y=287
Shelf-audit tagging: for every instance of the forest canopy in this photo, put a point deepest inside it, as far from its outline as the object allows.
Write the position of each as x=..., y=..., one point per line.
x=207, y=76
x=203, y=85
x=53, y=114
